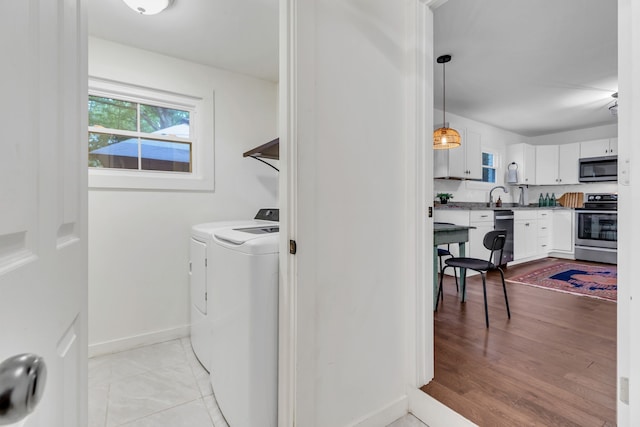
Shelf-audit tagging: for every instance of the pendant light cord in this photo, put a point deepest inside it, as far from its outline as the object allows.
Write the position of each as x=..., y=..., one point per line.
x=444, y=85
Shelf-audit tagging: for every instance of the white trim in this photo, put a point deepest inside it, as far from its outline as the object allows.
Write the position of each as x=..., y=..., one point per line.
x=433, y=413
x=135, y=341
x=434, y=4
x=420, y=188
x=386, y=415
x=287, y=315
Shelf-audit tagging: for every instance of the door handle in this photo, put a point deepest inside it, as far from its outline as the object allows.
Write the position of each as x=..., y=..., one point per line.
x=22, y=381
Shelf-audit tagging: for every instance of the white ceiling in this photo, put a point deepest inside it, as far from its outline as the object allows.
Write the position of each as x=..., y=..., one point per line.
x=236, y=35
x=531, y=67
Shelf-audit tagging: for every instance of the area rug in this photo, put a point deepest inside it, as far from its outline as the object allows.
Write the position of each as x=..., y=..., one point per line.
x=574, y=278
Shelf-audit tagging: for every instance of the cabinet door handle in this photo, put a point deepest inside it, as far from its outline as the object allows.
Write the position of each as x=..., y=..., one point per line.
x=483, y=216
x=527, y=224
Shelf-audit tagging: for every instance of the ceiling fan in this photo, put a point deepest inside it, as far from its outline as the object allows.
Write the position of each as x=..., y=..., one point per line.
x=613, y=109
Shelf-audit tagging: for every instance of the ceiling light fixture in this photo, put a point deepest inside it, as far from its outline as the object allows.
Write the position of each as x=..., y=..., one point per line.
x=148, y=7
x=445, y=137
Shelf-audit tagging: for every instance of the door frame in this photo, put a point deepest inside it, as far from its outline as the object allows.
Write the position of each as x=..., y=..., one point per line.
x=419, y=320
x=419, y=96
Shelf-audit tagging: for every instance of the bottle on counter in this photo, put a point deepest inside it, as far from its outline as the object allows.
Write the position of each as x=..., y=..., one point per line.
x=552, y=200
x=499, y=202
x=540, y=201
x=546, y=200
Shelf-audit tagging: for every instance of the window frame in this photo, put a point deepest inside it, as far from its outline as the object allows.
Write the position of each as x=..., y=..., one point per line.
x=494, y=167
x=201, y=176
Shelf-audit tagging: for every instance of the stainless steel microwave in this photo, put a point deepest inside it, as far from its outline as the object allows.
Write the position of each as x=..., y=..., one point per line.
x=594, y=169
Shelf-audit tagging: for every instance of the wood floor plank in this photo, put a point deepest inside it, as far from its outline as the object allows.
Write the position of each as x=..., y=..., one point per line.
x=553, y=363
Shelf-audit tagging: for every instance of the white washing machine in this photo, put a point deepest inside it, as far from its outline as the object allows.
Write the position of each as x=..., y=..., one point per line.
x=201, y=278
x=244, y=322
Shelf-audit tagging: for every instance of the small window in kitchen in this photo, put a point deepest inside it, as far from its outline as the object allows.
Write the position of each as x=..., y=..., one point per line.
x=488, y=167
x=146, y=138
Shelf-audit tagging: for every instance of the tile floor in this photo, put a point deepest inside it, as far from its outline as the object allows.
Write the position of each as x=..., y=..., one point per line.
x=161, y=385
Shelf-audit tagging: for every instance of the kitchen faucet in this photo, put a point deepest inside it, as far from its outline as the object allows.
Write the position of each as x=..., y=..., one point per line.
x=491, y=193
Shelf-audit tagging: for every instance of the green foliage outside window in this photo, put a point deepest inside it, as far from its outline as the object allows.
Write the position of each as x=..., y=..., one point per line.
x=123, y=120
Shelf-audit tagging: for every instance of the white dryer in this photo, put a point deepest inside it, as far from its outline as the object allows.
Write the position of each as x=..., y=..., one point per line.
x=244, y=322
x=201, y=278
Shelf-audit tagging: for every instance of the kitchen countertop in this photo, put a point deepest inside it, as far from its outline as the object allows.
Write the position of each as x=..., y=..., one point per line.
x=476, y=206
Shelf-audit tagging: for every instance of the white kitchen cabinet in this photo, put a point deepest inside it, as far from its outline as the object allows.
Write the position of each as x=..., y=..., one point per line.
x=562, y=226
x=544, y=224
x=557, y=164
x=525, y=234
x=483, y=223
x=599, y=148
x=523, y=155
x=464, y=162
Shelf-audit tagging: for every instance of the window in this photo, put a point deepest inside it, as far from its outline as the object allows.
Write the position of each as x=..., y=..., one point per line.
x=146, y=138
x=132, y=135
x=488, y=167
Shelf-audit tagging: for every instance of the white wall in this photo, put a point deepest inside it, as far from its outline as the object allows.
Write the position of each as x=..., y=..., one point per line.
x=139, y=240
x=348, y=125
x=579, y=135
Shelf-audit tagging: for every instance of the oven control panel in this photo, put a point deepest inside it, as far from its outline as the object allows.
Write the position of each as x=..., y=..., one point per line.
x=598, y=197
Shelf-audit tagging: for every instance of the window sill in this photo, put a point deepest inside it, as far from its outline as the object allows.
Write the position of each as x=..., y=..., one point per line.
x=155, y=181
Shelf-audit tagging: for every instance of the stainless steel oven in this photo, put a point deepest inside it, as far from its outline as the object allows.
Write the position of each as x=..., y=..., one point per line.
x=596, y=237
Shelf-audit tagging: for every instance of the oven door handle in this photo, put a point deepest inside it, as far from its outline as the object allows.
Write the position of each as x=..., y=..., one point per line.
x=614, y=212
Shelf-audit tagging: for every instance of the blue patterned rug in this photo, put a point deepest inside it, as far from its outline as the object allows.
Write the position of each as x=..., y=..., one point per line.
x=574, y=278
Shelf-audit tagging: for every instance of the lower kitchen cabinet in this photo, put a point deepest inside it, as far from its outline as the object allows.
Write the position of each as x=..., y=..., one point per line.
x=525, y=234
x=562, y=237
x=483, y=223
x=544, y=232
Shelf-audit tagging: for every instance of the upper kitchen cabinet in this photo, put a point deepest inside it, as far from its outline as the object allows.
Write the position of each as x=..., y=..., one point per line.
x=464, y=162
x=524, y=156
x=557, y=164
x=599, y=148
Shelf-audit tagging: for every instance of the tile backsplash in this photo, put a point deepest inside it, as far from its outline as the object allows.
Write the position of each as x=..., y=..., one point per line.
x=472, y=191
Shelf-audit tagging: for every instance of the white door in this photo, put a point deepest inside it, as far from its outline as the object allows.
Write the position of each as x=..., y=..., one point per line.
x=43, y=195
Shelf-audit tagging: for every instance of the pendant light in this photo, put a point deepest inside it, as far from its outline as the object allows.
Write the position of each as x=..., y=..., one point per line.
x=445, y=137
x=148, y=7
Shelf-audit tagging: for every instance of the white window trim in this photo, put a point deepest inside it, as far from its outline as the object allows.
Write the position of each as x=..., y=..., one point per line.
x=497, y=158
x=202, y=155
x=495, y=166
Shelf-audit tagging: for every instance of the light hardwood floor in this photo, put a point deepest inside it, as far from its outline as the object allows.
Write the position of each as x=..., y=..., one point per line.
x=552, y=364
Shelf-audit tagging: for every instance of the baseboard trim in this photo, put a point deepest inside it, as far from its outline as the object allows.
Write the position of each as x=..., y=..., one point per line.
x=394, y=410
x=121, y=344
x=563, y=255
x=434, y=413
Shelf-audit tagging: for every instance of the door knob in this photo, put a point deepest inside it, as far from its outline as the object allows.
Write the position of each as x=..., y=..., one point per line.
x=22, y=381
